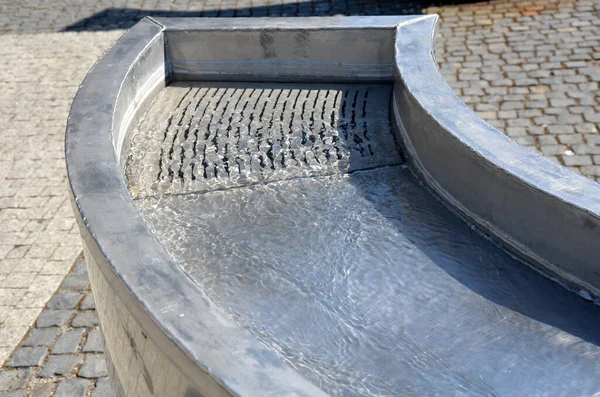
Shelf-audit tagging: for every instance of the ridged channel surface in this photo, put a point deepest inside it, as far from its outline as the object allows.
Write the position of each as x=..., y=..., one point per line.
x=362, y=280
x=214, y=136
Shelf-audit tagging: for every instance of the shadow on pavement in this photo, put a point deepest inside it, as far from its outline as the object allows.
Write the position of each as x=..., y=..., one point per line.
x=124, y=18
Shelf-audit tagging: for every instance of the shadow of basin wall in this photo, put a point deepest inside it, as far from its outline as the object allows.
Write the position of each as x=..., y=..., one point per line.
x=162, y=335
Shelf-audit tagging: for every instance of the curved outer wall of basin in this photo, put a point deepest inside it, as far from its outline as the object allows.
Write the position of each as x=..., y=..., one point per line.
x=543, y=211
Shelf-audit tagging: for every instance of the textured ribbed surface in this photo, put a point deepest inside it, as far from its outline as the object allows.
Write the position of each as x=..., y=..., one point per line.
x=214, y=136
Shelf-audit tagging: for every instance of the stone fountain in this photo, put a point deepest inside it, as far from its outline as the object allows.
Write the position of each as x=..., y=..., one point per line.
x=303, y=207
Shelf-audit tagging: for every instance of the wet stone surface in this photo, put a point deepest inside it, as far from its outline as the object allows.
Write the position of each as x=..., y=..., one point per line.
x=221, y=135
x=368, y=286
x=353, y=272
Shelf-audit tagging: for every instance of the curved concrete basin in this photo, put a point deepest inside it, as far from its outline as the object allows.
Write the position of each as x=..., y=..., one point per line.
x=304, y=207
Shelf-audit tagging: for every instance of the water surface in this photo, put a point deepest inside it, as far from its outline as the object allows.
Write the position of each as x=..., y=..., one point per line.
x=289, y=207
x=368, y=286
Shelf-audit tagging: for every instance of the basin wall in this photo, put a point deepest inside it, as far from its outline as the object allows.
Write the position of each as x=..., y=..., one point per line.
x=135, y=344
x=278, y=55
x=539, y=210
x=268, y=49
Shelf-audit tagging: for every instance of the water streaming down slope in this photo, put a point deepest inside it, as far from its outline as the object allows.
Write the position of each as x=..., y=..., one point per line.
x=221, y=135
x=348, y=267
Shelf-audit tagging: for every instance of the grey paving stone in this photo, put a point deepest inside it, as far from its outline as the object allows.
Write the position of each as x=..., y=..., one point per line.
x=103, y=388
x=586, y=128
x=41, y=336
x=570, y=139
x=75, y=282
x=547, y=140
x=80, y=266
x=59, y=365
x=554, y=150
x=577, y=160
x=592, y=117
x=85, y=319
x=587, y=148
x=43, y=390
x=72, y=388
x=93, y=367
x=68, y=342
x=64, y=301
x=94, y=342
x=13, y=379
x=27, y=357
x=561, y=129
x=13, y=393
x=88, y=302
x=53, y=318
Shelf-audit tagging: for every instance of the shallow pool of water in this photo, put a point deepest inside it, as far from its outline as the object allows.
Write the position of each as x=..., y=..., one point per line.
x=290, y=208
x=369, y=286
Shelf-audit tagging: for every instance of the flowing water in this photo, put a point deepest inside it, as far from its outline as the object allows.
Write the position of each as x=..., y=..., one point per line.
x=338, y=258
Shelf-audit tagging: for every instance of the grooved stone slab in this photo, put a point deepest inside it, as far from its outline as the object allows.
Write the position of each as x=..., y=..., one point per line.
x=211, y=136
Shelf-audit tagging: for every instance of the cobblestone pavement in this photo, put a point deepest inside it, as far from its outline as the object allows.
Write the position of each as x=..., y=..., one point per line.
x=531, y=68
x=39, y=240
x=33, y=16
x=63, y=354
